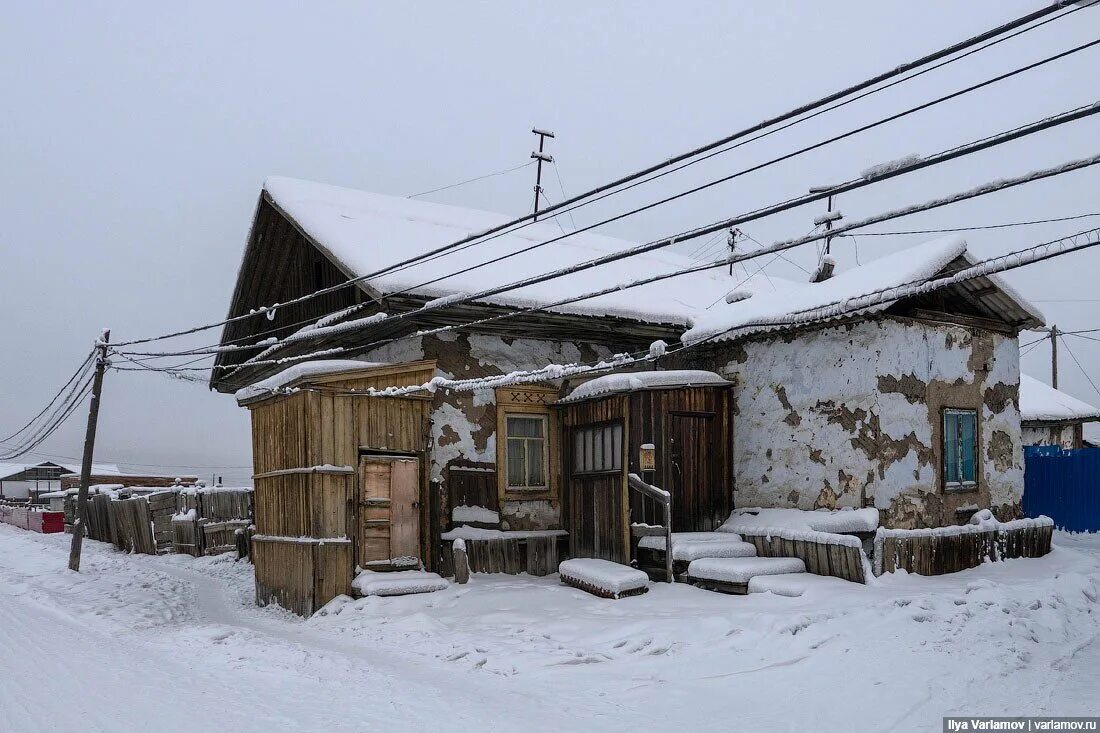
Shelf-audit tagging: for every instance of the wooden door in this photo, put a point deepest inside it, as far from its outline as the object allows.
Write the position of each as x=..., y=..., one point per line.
x=389, y=508
x=690, y=476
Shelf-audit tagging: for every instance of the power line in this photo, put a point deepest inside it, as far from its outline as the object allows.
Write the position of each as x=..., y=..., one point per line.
x=1079, y=366
x=471, y=180
x=60, y=415
x=978, y=191
x=813, y=196
x=837, y=309
x=897, y=71
x=975, y=228
x=80, y=369
x=854, y=184
x=775, y=247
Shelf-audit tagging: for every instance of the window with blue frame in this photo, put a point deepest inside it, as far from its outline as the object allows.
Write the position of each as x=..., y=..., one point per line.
x=960, y=448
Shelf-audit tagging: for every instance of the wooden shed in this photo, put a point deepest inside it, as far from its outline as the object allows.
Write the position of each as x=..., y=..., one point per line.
x=683, y=421
x=340, y=477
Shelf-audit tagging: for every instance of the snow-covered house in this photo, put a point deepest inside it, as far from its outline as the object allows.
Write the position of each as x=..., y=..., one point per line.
x=1051, y=417
x=909, y=406
x=30, y=480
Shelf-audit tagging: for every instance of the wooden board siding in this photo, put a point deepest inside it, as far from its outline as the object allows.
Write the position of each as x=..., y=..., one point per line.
x=305, y=504
x=595, y=506
x=300, y=576
x=691, y=429
x=471, y=483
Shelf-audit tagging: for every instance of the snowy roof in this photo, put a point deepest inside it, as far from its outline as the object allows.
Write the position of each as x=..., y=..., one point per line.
x=299, y=371
x=1042, y=403
x=362, y=232
x=1092, y=434
x=632, y=381
x=760, y=312
x=8, y=470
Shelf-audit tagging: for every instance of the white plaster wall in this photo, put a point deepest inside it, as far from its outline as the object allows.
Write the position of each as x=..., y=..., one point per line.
x=1064, y=436
x=842, y=438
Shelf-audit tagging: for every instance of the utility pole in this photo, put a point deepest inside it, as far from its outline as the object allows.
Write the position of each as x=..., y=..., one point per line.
x=89, y=448
x=829, y=217
x=1054, y=356
x=1054, y=333
x=541, y=157
x=731, y=241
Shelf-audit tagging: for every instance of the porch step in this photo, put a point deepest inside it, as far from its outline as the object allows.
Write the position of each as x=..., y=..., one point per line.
x=689, y=546
x=795, y=584
x=733, y=574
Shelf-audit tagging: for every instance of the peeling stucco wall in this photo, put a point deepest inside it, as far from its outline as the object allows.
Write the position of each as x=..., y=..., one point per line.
x=850, y=416
x=463, y=424
x=1064, y=436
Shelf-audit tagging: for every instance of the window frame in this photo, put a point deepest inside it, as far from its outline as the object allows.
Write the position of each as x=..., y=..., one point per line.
x=607, y=429
x=544, y=419
x=961, y=484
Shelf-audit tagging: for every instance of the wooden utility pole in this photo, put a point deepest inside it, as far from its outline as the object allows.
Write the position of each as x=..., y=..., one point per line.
x=89, y=448
x=541, y=157
x=1054, y=356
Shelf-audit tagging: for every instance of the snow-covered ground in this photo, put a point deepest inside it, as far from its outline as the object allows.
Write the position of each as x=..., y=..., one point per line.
x=173, y=643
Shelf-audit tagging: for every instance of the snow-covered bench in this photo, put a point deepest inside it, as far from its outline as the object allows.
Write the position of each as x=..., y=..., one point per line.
x=396, y=583
x=603, y=578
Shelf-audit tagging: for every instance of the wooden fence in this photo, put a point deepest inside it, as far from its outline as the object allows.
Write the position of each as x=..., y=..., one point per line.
x=951, y=549
x=533, y=555
x=209, y=519
x=824, y=553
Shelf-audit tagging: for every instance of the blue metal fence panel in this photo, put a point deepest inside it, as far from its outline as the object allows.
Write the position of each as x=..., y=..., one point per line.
x=1065, y=486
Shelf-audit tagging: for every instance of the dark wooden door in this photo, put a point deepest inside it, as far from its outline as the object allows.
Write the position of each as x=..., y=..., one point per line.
x=692, y=470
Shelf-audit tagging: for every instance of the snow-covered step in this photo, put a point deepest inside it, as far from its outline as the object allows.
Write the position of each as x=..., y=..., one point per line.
x=795, y=584
x=396, y=583
x=603, y=578
x=732, y=574
x=689, y=546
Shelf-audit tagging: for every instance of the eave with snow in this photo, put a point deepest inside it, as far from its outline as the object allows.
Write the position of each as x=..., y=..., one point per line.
x=1051, y=417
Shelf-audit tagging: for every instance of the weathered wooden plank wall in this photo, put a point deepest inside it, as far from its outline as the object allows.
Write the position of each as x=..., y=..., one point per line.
x=821, y=556
x=595, y=506
x=534, y=555
x=929, y=553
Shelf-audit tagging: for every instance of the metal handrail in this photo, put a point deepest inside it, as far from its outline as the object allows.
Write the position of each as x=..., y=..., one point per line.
x=664, y=498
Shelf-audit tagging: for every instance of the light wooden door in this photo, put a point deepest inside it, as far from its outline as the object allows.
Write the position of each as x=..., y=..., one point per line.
x=389, y=508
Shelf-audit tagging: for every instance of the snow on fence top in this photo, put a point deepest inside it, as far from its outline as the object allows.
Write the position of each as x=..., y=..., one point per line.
x=363, y=232
x=301, y=370
x=1039, y=402
x=631, y=381
x=988, y=525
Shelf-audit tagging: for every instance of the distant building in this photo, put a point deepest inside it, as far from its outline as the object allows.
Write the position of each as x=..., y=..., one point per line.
x=1051, y=417
x=30, y=480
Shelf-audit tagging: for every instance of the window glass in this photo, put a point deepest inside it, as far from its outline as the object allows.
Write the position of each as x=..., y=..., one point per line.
x=960, y=446
x=598, y=448
x=526, y=451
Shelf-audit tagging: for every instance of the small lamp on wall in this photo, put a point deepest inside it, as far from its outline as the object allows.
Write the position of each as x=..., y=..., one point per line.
x=647, y=457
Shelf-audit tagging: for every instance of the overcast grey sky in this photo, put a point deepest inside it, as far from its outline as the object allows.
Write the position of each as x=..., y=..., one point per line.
x=136, y=135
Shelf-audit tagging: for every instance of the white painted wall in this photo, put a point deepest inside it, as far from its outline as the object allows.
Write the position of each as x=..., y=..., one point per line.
x=843, y=438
